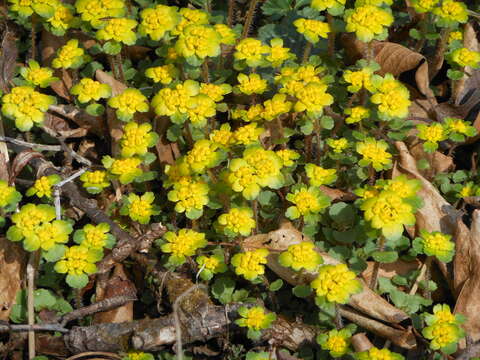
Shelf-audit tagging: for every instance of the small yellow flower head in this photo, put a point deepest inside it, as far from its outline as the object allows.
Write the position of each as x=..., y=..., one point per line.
x=176, y=101
x=93, y=11
x=338, y=145
x=78, y=262
x=254, y=113
x=120, y=30
x=359, y=79
x=375, y=153
x=423, y=6
x=252, y=51
x=136, y=139
x=388, y=212
x=9, y=197
x=356, y=114
x=336, y=283
x=320, y=176
x=301, y=256
x=277, y=106
x=250, y=264
x=293, y=79
x=392, y=98
x=308, y=202
x=214, y=91
x=138, y=355
x=248, y=134
x=48, y=235
x=25, y=8
x=368, y=22
x=435, y=244
x=459, y=127
x=200, y=41
x=201, y=108
x=455, y=35
x=278, y=54
x=378, y=354
x=140, y=208
x=36, y=75
x=243, y=178
x=238, y=221
x=443, y=314
x=227, y=35
x=69, y=56
x=222, y=137
x=88, y=89
x=204, y=155
x=450, y=13
x=95, y=237
x=182, y=244
x=211, y=265
x=337, y=342
x=312, y=98
x=164, y=74
x=22, y=7
x=158, y=20
x=62, y=19
x=255, y=319
x=94, y=181
x=288, y=156
x=26, y=106
x=190, y=17
x=251, y=84
x=128, y=103
x=469, y=189
x=28, y=220
x=190, y=197
x=334, y=7
x=126, y=170
x=267, y=166
x=43, y=186
x=402, y=185
x=443, y=335
x=313, y=30
x=431, y=134
x=465, y=57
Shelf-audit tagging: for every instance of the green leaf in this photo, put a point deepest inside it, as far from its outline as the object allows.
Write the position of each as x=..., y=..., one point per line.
x=277, y=7
x=454, y=74
x=307, y=127
x=267, y=198
x=276, y=285
x=55, y=253
x=326, y=122
x=385, y=285
x=342, y=213
x=459, y=176
x=77, y=281
x=415, y=34
x=222, y=289
x=112, y=47
x=302, y=291
x=95, y=109
x=43, y=299
x=430, y=286
x=19, y=310
x=385, y=256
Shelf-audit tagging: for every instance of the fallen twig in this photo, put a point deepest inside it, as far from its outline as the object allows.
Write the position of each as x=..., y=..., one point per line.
x=38, y=147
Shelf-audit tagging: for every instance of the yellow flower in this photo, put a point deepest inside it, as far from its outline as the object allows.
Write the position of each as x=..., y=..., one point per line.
x=251, y=84
x=88, y=89
x=94, y=181
x=138, y=355
x=338, y=145
x=158, y=20
x=184, y=243
x=388, y=212
x=95, y=236
x=455, y=35
x=451, y=12
x=288, y=156
x=214, y=91
x=48, y=235
x=190, y=17
x=334, y=7
x=375, y=153
x=442, y=334
x=337, y=342
x=459, y=126
x=250, y=264
x=69, y=56
x=336, y=283
x=468, y=190
x=223, y=136
x=423, y=6
x=248, y=134
x=198, y=40
x=9, y=197
x=267, y=166
x=227, y=35
x=359, y=79
x=125, y=169
x=255, y=318
x=22, y=7
x=312, y=98
x=301, y=256
x=128, y=103
x=378, y=354
x=357, y=114
x=278, y=54
x=435, y=244
x=243, y=178
x=368, y=22
x=392, y=98
x=28, y=219
x=121, y=30
x=276, y=106
x=402, y=185
x=78, y=262
x=36, y=75
x=43, y=186
x=320, y=176
x=176, y=101
x=308, y=202
x=254, y=113
x=62, y=19
x=442, y=314
x=431, y=134
x=237, y=221
x=252, y=51
x=190, y=197
x=200, y=108
x=164, y=74
x=94, y=11
x=313, y=30
x=204, y=155
x=211, y=265
x=465, y=57
x=140, y=208
x=136, y=139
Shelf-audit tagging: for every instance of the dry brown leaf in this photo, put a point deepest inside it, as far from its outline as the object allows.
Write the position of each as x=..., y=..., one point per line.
x=441, y=163
x=12, y=263
x=461, y=261
x=167, y=151
x=360, y=342
x=398, y=267
x=9, y=52
x=81, y=118
x=20, y=161
x=468, y=302
x=56, y=126
x=368, y=302
x=118, y=284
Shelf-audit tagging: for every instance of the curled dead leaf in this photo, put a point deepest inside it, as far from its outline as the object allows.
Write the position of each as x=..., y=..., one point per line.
x=12, y=263
x=462, y=259
x=360, y=342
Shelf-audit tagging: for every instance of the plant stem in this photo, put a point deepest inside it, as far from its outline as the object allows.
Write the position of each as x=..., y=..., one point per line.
x=376, y=266
x=338, y=317
x=255, y=214
x=437, y=61
x=318, y=130
x=249, y=18
x=331, y=37
x=231, y=10
x=205, y=72
x=31, y=269
x=120, y=67
x=306, y=52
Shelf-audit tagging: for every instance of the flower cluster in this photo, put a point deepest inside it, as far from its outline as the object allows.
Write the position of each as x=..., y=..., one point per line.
x=435, y=244
x=378, y=354
x=250, y=264
x=301, y=256
x=43, y=186
x=368, y=22
x=238, y=221
x=336, y=283
x=95, y=237
x=255, y=319
x=336, y=342
x=140, y=208
x=182, y=244
x=128, y=103
x=136, y=139
x=443, y=329
x=94, y=181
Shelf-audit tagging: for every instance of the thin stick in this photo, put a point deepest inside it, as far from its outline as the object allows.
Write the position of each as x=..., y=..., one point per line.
x=231, y=10
x=338, y=317
x=376, y=266
x=29, y=145
x=306, y=52
x=32, y=261
x=5, y=328
x=331, y=37
x=249, y=18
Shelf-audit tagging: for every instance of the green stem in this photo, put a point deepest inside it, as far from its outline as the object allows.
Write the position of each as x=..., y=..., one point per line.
x=255, y=214
x=318, y=130
x=376, y=266
x=306, y=52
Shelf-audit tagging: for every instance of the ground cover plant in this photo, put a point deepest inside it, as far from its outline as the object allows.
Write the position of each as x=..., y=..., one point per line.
x=241, y=179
